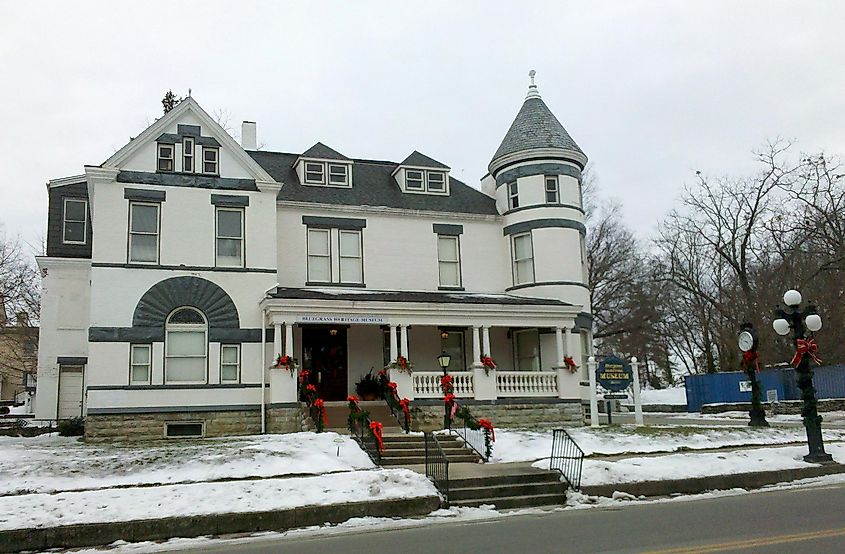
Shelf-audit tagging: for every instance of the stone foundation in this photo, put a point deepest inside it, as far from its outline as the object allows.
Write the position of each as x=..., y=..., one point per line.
x=150, y=426
x=504, y=413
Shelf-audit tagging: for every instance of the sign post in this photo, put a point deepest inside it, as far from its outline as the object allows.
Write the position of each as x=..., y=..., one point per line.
x=594, y=401
x=638, y=402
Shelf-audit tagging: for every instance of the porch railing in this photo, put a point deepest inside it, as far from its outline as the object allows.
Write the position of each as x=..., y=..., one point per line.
x=567, y=457
x=526, y=383
x=427, y=384
x=437, y=465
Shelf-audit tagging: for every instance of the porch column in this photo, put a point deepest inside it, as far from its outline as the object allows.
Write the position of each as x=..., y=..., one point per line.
x=562, y=350
x=403, y=379
x=289, y=350
x=403, y=341
x=483, y=381
x=476, y=346
x=394, y=348
x=282, y=383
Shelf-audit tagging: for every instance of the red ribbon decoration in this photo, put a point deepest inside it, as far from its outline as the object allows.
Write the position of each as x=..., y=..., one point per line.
x=392, y=386
x=570, y=364
x=487, y=424
x=404, y=403
x=449, y=398
x=446, y=384
x=303, y=376
x=806, y=346
x=376, y=428
x=488, y=362
x=751, y=357
x=403, y=363
x=321, y=407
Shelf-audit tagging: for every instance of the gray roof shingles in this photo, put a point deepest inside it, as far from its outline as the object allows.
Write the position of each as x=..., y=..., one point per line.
x=418, y=159
x=323, y=152
x=535, y=126
x=372, y=185
x=292, y=293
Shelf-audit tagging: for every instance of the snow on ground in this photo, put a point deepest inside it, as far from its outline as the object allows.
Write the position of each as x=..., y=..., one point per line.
x=124, y=504
x=519, y=446
x=681, y=466
x=50, y=463
x=829, y=417
x=671, y=395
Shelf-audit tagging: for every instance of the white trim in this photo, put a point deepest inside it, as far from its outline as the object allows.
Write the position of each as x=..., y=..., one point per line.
x=64, y=181
x=508, y=159
x=384, y=210
x=212, y=127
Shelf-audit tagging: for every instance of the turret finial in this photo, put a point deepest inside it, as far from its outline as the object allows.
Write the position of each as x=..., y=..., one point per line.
x=532, y=88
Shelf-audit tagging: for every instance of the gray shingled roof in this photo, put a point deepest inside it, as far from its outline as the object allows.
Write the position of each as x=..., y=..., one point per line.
x=323, y=152
x=412, y=296
x=535, y=126
x=417, y=159
x=372, y=185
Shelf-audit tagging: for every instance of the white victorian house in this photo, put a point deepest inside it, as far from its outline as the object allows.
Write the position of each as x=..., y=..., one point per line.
x=178, y=269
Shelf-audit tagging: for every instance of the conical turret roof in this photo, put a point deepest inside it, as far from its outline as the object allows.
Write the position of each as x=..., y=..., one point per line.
x=535, y=126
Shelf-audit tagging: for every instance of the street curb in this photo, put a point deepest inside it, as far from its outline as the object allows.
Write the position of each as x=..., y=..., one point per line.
x=97, y=534
x=753, y=480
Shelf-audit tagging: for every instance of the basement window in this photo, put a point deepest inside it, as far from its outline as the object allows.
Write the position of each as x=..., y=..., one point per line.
x=188, y=429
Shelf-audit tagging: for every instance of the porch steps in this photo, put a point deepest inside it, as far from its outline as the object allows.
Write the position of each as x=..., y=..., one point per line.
x=404, y=450
x=523, y=489
x=338, y=412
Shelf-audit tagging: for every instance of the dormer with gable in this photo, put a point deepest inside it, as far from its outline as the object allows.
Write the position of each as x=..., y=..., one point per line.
x=321, y=166
x=419, y=174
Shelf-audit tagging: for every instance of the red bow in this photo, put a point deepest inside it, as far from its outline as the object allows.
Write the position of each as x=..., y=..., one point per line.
x=403, y=363
x=751, y=357
x=404, y=403
x=488, y=362
x=376, y=428
x=487, y=424
x=303, y=375
x=392, y=386
x=570, y=363
x=806, y=346
x=449, y=398
x=311, y=388
x=321, y=407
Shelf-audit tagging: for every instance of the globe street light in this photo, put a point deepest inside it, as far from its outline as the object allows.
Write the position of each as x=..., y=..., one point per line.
x=803, y=323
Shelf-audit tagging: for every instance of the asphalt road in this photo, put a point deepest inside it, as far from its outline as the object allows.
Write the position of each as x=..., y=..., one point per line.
x=808, y=520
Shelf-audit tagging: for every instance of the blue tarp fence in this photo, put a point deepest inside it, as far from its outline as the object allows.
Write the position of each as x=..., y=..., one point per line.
x=778, y=385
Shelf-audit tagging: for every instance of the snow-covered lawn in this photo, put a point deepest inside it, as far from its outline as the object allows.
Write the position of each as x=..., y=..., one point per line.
x=524, y=446
x=681, y=466
x=673, y=396
x=125, y=504
x=50, y=463
x=740, y=416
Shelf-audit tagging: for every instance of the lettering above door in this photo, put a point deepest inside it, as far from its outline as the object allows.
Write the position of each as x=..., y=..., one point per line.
x=343, y=319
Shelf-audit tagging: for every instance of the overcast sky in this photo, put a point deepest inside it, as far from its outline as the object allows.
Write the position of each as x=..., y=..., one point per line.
x=651, y=91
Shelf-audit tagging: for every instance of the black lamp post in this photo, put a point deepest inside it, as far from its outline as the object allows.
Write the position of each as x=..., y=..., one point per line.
x=748, y=342
x=803, y=323
x=443, y=360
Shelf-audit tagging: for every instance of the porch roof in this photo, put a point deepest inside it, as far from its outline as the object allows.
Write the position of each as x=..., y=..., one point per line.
x=426, y=297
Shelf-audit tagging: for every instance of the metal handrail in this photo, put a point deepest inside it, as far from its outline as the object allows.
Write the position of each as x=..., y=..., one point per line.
x=365, y=439
x=567, y=457
x=475, y=436
x=437, y=465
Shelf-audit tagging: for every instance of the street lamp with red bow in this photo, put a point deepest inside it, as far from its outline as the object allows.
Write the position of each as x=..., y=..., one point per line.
x=804, y=323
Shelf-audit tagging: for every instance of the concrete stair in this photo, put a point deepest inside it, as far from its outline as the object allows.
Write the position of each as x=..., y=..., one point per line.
x=404, y=450
x=508, y=491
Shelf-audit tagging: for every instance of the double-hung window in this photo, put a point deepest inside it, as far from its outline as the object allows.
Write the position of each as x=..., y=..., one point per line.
x=449, y=260
x=139, y=364
x=414, y=179
x=351, y=259
x=230, y=237
x=338, y=175
x=143, y=232
x=188, y=155
x=523, y=259
x=552, y=191
x=230, y=363
x=75, y=221
x=513, y=195
x=319, y=256
x=165, y=157
x=436, y=181
x=186, y=347
x=210, y=160
x=315, y=173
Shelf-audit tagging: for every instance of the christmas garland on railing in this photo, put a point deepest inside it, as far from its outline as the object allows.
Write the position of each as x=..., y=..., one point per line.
x=401, y=363
x=456, y=411
x=487, y=363
x=316, y=406
x=359, y=418
x=391, y=397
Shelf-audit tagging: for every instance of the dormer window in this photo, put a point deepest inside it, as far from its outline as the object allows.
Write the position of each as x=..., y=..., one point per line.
x=338, y=175
x=188, y=155
x=414, y=179
x=436, y=181
x=314, y=173
x=165, y=157
x=210, y=160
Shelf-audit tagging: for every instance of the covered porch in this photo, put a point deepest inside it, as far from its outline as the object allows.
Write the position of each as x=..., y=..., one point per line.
x=339, y=335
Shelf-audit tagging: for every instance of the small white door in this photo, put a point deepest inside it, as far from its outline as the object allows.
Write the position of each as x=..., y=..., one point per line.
x=70, y=391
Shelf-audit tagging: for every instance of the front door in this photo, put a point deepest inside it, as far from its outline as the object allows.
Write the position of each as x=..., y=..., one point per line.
x=70, y=391
x=324, y=356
